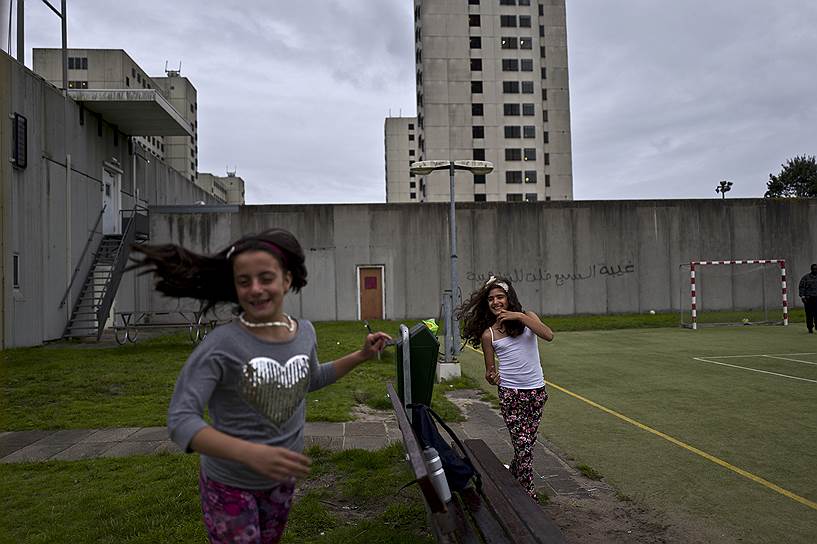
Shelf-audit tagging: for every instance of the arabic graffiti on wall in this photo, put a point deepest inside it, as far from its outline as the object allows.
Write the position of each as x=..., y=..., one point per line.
x=539, y=274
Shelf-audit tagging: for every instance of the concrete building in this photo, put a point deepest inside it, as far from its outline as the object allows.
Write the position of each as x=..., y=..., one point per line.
x=401, y=151
x=492, y=84
x=77, y=182
x=96, y=69
x=229, y=188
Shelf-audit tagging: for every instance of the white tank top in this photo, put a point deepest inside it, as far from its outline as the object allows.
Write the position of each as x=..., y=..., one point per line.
x=519, y=365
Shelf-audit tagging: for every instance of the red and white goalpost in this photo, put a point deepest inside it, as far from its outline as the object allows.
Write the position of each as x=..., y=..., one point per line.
x=693, y=265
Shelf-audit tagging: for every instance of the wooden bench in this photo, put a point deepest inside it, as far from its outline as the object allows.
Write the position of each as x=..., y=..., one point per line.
x=501, y=512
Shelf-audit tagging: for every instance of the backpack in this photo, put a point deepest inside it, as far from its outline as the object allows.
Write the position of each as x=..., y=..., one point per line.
x=458, y=470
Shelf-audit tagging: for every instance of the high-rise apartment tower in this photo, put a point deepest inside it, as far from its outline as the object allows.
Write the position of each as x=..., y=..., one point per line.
x=492, y=85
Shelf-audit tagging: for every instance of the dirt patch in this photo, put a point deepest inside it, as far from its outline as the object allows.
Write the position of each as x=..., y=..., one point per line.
x=361, y=412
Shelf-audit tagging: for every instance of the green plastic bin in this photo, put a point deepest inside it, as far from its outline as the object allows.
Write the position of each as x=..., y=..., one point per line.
x=423, y=352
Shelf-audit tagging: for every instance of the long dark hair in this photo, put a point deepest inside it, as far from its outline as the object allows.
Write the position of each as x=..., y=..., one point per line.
x=182, y=273
x=476, y=316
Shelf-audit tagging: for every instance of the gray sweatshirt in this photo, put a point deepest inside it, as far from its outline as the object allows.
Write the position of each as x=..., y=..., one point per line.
x=212, y=379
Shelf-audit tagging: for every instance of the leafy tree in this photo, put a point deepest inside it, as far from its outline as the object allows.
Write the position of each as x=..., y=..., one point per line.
x=798, y=178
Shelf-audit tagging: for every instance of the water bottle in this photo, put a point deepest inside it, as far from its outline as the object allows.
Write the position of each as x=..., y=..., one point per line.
x=437, y=474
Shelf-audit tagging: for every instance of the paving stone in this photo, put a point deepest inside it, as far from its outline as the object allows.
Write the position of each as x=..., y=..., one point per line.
x=123, y=449
x=110, y=435
x=364, y=442
x=167, y=446
x=320, y=428
x=67, y=437
x=364, y=428
x=326, y=442
x=150, y=434
x=33, y=452
x=21, y=439
x=83, y=450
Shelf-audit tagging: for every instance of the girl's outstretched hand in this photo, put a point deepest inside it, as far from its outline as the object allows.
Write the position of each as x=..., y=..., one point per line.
x=276, y=463
x=374, y=344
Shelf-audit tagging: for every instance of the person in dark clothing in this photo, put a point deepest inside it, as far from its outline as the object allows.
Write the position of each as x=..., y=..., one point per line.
x=808, y=292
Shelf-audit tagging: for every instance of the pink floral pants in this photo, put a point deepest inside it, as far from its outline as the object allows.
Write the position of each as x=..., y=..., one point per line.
x=244, y=516
x=522, y=410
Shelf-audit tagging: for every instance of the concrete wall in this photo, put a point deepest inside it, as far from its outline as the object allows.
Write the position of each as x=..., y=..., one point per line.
x=563, y=257
x=48, y=215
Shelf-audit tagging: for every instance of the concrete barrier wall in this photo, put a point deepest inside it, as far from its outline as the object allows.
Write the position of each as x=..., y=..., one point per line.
x=564, y=258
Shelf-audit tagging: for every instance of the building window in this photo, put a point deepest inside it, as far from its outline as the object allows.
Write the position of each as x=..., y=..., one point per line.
x=127, y=81
x=510, y=65
x=476, y=65
x=524, y=21
x=507, y=2
x=476, y=42
x=411, y=152
x=412, y=185
x=512, y=132
x=477, y=110
x=510, y=87
x=541, y=31
x=527, y=65
x=544, y=94
x=411, y=126
x=413, y=195
x=507, y=21
x=524, y=2
x=547, y=158
x=544, y=116
x=530, y=154
x=478, y=132
x=528, y=109
x=546, y=137
x=527, y=87
x=529, y=131
x=513, y=197
x=479, y=179
x=544, y=72
x=525, y=43
x=509, y=42
x=479, y=197
x=411, y=137
x=513, y=176
x=542, y=51
x=476, y=87
x=16, y=271
x=541, y=10
x=473, y=20
x=531, y=197
x=530, y=176
x=510, y=109
x=473, y=2
x=547, y=198
x=547, y=180
x=479, y=154
x=513, y=154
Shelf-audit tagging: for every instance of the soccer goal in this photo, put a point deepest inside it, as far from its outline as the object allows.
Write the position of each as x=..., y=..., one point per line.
x=745, y=292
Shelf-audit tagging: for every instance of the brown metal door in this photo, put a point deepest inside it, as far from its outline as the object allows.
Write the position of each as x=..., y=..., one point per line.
x=371, y=292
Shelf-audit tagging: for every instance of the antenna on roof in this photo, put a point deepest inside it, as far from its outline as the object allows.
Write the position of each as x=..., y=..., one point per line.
x=230, y=173
x=173, y=73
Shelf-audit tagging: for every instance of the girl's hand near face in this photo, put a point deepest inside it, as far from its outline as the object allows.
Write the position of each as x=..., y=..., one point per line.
x=506, y=315
x=374, y=344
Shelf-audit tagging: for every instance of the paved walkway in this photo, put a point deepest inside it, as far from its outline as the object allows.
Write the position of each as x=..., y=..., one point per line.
x=482, y=422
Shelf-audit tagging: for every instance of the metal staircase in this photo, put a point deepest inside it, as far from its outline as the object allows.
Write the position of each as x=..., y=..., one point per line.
x=95, y=299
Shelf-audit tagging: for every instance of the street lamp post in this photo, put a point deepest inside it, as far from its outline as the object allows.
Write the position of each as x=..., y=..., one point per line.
x=423, y=168
x=723, y=188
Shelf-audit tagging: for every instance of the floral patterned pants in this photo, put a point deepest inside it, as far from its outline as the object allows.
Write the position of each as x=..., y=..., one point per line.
x=244, y=516
x=522, y=411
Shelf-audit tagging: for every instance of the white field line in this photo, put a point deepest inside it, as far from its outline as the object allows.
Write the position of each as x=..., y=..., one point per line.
x=757, y=355
x=754, y=370
x=789, y=359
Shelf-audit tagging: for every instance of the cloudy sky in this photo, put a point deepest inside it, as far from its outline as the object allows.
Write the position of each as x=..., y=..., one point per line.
x=667, y=97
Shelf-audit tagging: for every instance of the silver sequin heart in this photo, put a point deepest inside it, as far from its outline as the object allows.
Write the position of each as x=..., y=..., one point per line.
x=275, y=390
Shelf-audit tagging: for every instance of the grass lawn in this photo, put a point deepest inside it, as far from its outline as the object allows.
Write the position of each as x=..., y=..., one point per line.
x=351, y=496
x=759, y=422
x=68, y=386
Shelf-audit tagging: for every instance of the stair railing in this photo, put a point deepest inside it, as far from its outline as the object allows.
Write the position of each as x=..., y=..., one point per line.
x=117, y=269
x=82, y=256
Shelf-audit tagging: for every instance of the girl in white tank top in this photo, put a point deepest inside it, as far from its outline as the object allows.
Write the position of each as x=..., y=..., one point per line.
x=493, y=320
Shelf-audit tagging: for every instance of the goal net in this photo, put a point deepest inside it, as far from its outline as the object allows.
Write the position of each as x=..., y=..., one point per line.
x=747, y=292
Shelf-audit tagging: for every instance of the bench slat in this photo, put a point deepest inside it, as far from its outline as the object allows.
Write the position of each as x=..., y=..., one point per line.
x=490, y=529
x=506, y=491
x=418, y=465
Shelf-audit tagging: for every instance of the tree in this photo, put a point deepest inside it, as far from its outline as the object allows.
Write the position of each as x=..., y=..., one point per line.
x=798, y=178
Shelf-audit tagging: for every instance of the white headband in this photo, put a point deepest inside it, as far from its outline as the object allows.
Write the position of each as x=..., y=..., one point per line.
x=502, y=284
